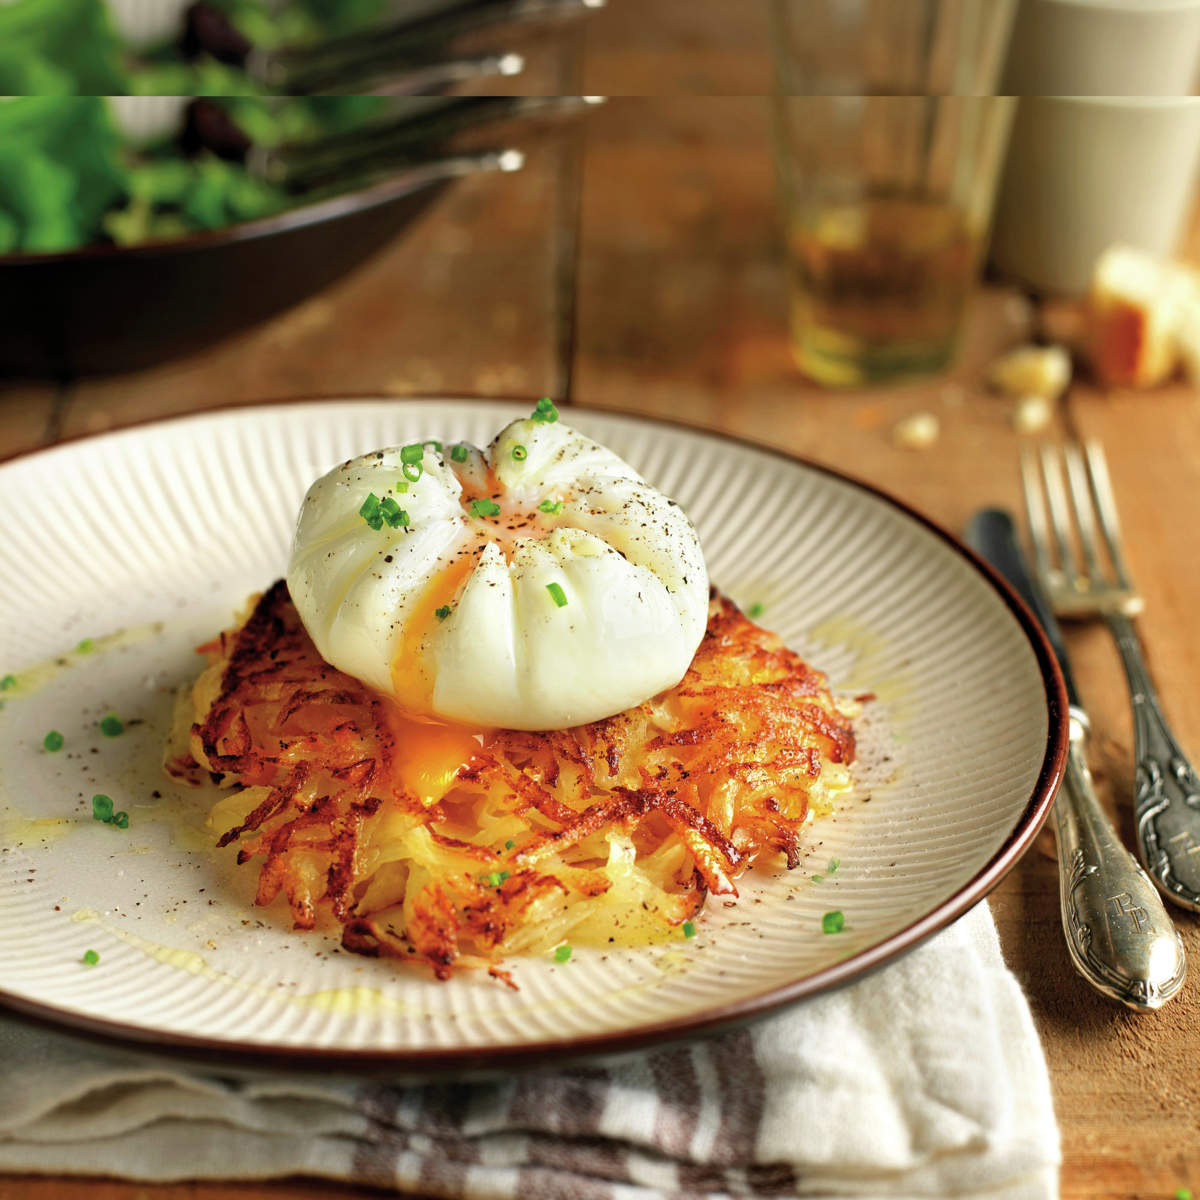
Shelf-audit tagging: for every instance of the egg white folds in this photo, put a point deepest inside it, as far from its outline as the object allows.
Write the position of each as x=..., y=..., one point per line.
x=538, y=584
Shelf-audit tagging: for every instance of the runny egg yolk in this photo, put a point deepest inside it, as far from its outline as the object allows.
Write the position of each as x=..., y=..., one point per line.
x=430, y=753
x=411, y=685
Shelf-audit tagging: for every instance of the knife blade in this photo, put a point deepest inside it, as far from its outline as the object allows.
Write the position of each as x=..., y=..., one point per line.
x=992, y=534
x=1118, y=933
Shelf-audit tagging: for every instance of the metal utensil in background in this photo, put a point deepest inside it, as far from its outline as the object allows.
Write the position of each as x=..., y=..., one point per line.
x=420, y=46
x=1118, y=933
x=1167, y=797
x=429, y=48
x=418, y=132
x=448, y=136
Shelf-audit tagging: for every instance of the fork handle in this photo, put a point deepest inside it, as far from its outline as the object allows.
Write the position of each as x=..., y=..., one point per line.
x=1119, y=935
x=1167, y=791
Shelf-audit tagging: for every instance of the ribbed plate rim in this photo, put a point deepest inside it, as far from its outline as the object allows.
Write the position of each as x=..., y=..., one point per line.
x=439, y=1060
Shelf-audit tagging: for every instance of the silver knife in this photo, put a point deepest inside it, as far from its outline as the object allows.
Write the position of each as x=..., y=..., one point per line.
x=1119, y=935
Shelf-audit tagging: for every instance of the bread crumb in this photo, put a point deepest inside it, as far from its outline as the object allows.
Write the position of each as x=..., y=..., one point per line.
x=1032, y=414
x=1041, y=371
x=918, y=431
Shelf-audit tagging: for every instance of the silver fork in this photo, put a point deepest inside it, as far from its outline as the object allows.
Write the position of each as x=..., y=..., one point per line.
x=1167, y=789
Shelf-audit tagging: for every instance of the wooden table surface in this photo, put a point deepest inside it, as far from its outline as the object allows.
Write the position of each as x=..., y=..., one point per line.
x=637, y=266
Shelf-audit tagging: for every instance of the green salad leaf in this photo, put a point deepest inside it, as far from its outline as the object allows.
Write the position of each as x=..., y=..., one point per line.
x=68, y=176
x=61, y=170
x=59, y=47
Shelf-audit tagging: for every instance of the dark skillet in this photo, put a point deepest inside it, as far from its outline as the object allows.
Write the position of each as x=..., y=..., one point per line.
x=110, y=308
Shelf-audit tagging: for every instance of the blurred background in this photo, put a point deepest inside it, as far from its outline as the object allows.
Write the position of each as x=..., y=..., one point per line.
x=904, y=238
x=797, y=201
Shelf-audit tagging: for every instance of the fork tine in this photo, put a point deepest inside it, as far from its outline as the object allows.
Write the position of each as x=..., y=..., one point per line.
x=1106, y=506
x=1035, y=513
x=1081, y=502
x=1060, y=515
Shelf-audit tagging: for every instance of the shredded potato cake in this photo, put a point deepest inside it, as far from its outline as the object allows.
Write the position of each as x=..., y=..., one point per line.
x=614, y=831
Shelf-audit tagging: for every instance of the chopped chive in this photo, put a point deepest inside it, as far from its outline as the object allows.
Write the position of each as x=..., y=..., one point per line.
x=557, y=594
x=494, y=879
x=484, y=508
x=834, y=863
x=437, y=446
x=121, y=820
x=90, y=958
x=112, y=726
x=442, y=613
x=412, y=471
x=550, y=506
x=818, y=879
x=545, y=412
x=833, y=922
x=54, y=741
x=370, y=511
x=7, y=683
x=102, y=808
x=755, y=610
x=689, y=929
x=519, y=452
x=412, y=453
x=458, y=453
x=509, y=844
x=1183, y=1193
x=85, y=647
x=400, y=487
x=392, y=513
x=562, y=953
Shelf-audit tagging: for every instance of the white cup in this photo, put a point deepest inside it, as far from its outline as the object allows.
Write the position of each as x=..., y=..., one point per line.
x=1105, y=142
x=1103, y=48
x=1084, y=172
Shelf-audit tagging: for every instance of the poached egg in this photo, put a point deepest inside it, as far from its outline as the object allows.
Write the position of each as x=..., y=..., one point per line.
x=535, y=584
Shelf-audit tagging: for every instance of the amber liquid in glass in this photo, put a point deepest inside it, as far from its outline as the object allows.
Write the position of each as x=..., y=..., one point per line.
x=878, y=288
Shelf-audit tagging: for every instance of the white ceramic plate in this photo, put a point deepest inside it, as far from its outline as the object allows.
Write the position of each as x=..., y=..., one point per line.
x=163, y=531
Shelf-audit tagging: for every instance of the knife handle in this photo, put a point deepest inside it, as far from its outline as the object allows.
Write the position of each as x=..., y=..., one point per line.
x=1167, y=800
x=1119, y=935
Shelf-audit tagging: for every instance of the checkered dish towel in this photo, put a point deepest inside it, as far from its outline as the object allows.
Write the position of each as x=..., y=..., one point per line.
x=924, y=1079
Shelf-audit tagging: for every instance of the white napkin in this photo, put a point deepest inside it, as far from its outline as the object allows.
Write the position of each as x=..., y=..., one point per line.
x=924, y=1080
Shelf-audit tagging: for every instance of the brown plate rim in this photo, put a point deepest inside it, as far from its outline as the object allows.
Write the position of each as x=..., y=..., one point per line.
x=712, y=1020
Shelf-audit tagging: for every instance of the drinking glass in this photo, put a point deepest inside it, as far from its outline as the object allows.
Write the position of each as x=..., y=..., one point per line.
x=888, y=148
